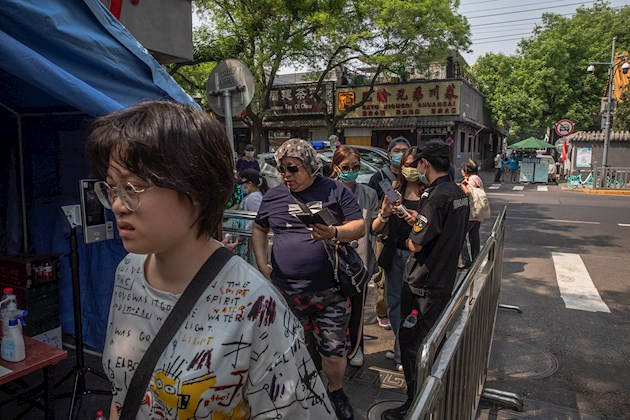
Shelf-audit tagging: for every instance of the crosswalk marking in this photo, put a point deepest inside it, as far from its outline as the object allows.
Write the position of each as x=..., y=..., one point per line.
x=543, y=188
x=518, y=188
x=575, y=284
x=495, y=186
x=624, y=224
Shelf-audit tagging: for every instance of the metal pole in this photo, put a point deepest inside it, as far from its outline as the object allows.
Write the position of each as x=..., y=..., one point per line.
x=609, y=106
x=227, y=114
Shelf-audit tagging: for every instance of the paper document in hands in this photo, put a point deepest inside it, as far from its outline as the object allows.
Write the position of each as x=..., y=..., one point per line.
x=323, y=216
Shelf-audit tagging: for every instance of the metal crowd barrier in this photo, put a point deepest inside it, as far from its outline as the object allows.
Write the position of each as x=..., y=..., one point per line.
x=234, y=222
x=453, y=359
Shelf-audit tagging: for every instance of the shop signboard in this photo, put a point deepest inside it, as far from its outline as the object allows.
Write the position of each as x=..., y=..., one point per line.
x=402, y=99
x=299, y=99
x=583, y=157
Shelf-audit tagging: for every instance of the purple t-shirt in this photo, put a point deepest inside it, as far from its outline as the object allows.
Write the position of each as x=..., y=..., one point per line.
x=299, y=262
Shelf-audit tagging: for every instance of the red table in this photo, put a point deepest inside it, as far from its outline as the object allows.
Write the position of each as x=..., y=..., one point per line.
x=39, y=356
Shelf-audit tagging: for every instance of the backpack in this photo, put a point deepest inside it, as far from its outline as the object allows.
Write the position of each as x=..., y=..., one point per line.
x=479, y=205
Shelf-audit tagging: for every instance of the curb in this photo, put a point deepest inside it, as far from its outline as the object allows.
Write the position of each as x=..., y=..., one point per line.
x=602, y=192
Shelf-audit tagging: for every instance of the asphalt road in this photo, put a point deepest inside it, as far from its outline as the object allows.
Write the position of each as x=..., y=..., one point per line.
x=592, y=348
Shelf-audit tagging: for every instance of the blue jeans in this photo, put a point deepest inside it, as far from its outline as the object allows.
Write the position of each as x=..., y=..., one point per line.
x=393, y=287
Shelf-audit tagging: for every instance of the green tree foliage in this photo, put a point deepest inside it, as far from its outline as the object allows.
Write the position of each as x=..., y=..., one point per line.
x=622, y=113
x=386, y=36
x=546, y=80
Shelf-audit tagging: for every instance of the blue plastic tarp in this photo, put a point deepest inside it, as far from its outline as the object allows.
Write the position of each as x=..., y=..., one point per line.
x=63, y=62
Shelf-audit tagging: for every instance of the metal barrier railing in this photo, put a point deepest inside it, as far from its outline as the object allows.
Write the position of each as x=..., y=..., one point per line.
x=453, y=358
x=611, y=178
x=235, y=224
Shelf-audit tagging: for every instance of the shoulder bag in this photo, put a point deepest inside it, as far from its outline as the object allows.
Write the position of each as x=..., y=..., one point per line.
x=176, y=317
x=478, y=201
x=349, y=270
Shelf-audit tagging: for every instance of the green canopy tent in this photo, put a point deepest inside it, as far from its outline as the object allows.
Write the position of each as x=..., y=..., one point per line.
x=531, y=143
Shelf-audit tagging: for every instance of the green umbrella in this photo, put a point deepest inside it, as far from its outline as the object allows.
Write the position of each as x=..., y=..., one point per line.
x=531, y=143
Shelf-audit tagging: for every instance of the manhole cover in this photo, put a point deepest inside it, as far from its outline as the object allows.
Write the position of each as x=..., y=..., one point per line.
x=513, y=359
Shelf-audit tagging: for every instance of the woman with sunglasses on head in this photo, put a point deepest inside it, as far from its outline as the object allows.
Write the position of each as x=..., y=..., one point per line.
x=167, y=170
x=395, y=252
x=299, y=263
x=346, y=164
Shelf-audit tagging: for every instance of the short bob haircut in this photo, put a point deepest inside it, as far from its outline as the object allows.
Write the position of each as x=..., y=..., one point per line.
x=171, y=146
x=342, y=153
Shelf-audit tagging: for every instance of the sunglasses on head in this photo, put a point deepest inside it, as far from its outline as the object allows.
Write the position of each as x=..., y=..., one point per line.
x=291, y=169
x=348, y=168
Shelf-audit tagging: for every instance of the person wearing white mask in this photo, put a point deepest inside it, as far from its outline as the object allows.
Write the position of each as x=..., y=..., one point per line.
x=248, y=160
x=396, y=148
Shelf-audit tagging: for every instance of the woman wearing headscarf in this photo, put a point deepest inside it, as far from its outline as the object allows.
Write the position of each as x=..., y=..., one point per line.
x=300, y=268
x=346, y=163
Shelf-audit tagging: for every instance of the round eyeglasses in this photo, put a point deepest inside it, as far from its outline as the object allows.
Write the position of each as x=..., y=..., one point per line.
x=128, y=193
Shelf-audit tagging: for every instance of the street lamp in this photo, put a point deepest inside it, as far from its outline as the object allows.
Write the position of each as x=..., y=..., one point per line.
x=612, y=68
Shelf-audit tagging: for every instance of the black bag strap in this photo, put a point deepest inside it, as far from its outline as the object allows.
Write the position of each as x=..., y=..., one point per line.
x=305, y=209
x=176, y=317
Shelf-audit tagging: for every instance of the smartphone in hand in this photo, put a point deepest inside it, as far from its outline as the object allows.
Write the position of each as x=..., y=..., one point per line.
x=388, y=189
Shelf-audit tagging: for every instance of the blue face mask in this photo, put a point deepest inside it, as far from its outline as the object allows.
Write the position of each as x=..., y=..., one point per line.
x=348, y=177
x=244, y=190
x=396, y=159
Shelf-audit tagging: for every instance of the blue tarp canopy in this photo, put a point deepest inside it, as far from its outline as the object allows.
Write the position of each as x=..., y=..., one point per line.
x=62, y=63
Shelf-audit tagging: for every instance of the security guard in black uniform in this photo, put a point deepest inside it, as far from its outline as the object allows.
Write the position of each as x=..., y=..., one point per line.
x=435, y=242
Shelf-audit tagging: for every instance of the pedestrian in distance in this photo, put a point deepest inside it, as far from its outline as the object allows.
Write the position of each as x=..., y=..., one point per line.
x=470, y=171
x=300, y=268
x=346, y=163
x=248, y=160
x=498, y=164
x=396, y=149
x=435, y=242
x=395, y=253
x=513, y=165
x=167, y=171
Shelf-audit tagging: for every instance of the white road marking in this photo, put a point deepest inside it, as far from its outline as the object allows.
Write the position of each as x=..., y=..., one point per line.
x=543, y=188
x=576, y=287
x=624, y=224
x=518, y=188
x=583, y=222
x=495, y=186
x=509, y=194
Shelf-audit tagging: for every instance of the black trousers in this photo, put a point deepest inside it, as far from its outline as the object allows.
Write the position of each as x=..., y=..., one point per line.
x=475, y=243
x=410, y=339
x=497, y=175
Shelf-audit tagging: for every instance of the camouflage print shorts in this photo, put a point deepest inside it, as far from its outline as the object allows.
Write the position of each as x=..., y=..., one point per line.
x=325, y=314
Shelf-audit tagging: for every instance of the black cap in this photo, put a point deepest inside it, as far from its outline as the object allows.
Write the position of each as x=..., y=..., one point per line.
x=249, y=146
x=433, y=148
x=249, y=175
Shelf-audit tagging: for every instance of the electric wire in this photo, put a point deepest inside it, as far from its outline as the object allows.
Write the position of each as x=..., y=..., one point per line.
x=528, y=10
x=529, y=4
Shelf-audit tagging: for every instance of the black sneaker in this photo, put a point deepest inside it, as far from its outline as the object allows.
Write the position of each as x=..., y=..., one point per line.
x=398, y=413
x=341, y=404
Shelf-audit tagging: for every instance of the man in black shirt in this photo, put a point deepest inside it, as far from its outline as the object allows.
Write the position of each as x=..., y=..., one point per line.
x=435, y=242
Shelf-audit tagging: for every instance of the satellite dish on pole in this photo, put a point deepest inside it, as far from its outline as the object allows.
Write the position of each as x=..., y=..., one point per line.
x=233, y=77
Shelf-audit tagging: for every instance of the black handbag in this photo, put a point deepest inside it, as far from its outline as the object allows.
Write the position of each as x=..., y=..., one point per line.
x=349, y=270
x=181, y=310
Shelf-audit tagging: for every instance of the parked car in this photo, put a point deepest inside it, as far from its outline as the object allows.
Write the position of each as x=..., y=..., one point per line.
x=373, y=155
x=268, y=168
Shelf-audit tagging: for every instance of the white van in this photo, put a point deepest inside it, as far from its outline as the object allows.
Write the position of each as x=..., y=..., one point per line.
x=552, y=165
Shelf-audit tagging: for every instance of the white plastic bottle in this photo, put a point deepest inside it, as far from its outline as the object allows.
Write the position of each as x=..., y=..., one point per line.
x=411, y=319
x=8, y=304
x=12, y=349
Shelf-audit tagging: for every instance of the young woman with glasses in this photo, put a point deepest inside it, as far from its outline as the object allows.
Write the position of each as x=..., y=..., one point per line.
x=395, y=253
x=299, y=262
x=167, y=172
x=346, y=164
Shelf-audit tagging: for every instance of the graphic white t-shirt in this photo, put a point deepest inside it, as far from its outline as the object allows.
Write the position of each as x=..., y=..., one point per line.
x=239, y=354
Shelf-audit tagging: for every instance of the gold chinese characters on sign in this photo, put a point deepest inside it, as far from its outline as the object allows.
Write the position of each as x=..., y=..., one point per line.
x=403, y=100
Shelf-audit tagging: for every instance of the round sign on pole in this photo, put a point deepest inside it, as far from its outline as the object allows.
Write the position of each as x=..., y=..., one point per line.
x=564, y=128
x=560, y=144
x=233, y=77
